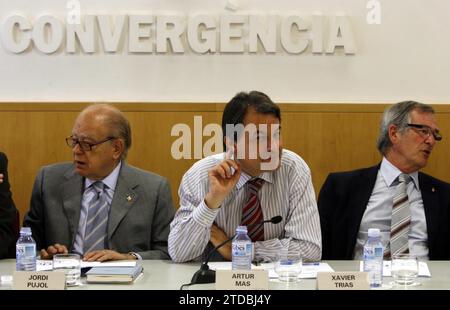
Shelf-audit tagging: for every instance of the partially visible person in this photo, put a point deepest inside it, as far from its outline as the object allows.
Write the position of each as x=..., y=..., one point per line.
x=8, y=234
x=99, y=206
x=223, y=191
x=410, y=208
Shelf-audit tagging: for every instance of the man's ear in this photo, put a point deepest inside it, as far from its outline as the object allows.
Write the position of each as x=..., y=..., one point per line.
x=119, y=148
x=393, y=133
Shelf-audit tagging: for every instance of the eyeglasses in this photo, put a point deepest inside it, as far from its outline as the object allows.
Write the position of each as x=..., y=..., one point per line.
x=426, y=131
x=85, y=146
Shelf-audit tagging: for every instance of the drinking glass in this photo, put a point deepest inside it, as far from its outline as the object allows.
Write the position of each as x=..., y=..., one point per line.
x=70, y=264
x=405, y=268
x=288, y=267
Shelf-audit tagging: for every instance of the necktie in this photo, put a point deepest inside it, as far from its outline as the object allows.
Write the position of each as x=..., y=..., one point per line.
x=401, y=218
x=97, y=219
x=252, y=212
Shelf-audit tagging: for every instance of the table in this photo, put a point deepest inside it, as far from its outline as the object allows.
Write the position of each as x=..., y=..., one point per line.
x=167, y=275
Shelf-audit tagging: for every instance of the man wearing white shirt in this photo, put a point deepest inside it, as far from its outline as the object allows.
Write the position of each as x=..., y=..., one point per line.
x=221, y=192
x=352, y=202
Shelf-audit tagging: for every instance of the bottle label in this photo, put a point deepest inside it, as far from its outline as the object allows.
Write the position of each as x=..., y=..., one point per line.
x=242, y=255
x=373, y=252
x=25, y=250
x=378, y=252
x=240, y=249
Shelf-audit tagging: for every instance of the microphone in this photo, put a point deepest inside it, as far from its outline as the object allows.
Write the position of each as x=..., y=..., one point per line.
x=206, y=275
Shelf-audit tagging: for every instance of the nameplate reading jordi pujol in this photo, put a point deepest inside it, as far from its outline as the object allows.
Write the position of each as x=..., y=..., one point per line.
x=242, y=280
x=30, y=280
x=342, y=280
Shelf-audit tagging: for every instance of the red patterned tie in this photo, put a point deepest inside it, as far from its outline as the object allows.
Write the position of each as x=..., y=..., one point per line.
x=252, y=212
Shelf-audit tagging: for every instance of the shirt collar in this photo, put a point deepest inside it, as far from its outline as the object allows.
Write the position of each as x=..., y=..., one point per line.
x=267, y=176
x=110, y=180
x=390, y=173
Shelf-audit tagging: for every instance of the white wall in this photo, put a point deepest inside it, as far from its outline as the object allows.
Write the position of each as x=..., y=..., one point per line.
x=407, y=56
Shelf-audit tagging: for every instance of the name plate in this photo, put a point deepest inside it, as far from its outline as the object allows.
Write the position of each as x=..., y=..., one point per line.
x=242, y=280
x=343, y=280
x=31, y=280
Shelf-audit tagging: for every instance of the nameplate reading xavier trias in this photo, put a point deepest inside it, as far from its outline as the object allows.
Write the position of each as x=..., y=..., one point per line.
x=343, y=280
x=242, y=280
x=30, y=280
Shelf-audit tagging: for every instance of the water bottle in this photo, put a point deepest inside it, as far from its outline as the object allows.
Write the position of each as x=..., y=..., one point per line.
x=25, y=251
x=241, y=250
x=373, y=258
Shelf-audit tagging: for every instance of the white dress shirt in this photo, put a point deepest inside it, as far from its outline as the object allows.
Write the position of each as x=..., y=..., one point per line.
x=287, y=191
x=378, y=213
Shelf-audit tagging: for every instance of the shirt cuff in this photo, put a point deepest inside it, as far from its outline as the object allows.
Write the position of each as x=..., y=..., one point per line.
x=204, y=215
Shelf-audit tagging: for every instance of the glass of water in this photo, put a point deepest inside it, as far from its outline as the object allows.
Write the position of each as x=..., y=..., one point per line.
x=405, y=268
x=70, y=264
x=288, y=267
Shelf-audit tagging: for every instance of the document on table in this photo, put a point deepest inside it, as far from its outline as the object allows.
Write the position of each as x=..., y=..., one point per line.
x=309, y=270
x=46, y=265
x=423, y=269
x=223, y=266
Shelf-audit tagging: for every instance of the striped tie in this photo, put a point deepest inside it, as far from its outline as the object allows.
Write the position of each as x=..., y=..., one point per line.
x=401, y=219
x=252, y=212
x=97, y=219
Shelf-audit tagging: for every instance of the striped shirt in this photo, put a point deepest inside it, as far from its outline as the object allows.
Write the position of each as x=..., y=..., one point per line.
x=287, y=191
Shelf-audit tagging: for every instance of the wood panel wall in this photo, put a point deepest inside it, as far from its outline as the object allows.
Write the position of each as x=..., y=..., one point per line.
x=330, y=137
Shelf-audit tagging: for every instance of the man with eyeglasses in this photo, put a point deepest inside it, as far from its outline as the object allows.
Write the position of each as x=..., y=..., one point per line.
x=409, y=207
x=99, y=206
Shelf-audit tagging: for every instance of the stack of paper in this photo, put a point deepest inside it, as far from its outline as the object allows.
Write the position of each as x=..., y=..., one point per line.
x=44, y=265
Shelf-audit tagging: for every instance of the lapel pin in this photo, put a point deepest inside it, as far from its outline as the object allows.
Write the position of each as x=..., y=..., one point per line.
x=129, y=198
x=432, y=189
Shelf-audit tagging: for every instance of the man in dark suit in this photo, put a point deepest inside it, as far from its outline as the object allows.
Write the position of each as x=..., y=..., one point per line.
x=100, y=206
x=352, y=202
x=8, y=234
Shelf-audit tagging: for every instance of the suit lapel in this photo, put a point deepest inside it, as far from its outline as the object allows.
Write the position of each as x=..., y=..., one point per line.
x=430, y=203
x=71, y=194
x=362, y=190
x=123, y=200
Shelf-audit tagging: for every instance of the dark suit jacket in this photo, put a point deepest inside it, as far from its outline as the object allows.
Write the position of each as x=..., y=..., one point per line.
x=344, y=197
x=139, y=224
x=8, y=211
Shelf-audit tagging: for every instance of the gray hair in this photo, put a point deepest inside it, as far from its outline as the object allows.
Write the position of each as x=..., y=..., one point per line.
x=399, y=115
x=116, y=122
